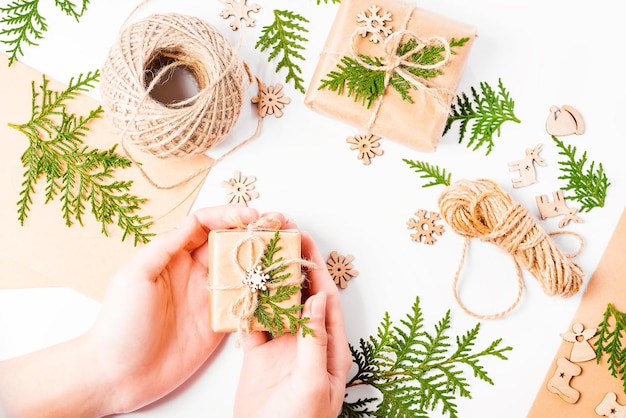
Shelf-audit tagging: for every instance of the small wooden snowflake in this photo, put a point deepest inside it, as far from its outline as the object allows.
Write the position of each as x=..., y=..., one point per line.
x=425, y=226
x=367, y=145
x=255, y=278
x=240, y=189
x=374, y=24
x=271, y=100
x=340, y=269
x=240, y=11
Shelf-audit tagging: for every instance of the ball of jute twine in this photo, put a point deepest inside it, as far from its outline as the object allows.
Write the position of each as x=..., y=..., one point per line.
x=481, y=209
x=183, y=128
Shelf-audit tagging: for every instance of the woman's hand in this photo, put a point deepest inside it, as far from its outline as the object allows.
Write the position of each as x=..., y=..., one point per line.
x=294, y=376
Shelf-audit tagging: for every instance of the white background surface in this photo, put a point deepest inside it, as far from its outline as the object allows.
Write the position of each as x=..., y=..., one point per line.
x=546, y=52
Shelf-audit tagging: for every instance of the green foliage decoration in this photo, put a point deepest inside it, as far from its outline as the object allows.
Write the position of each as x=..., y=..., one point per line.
x=269, y=313
x=366, y=84
x=74, y=172
x=485, y=112
x=285, y=36
x=437, y=175
x=587, y=184
x=24, y=25
x=609, y=342
x=416, y=371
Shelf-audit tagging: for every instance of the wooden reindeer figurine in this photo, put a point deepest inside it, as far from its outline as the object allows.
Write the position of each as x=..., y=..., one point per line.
x=526, y=167
x=558, y=207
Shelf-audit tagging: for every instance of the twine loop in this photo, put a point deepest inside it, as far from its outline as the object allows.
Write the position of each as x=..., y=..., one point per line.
x=246, y=304
x=481, y=209
x=145, y=55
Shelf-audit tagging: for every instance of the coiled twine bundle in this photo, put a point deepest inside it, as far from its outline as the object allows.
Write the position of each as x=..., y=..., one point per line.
x=187, y=127
x=481, y=209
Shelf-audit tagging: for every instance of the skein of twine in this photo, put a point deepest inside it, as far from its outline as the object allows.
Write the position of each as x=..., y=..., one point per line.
x=245, y=306
x=481, y=209
x=187, y=127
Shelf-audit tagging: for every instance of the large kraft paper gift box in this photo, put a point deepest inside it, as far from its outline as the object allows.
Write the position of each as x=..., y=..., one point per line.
x=418, y=125
x=588, y=388
x=233, y=253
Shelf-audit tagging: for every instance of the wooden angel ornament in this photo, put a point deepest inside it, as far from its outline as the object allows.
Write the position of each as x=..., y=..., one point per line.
x=582, y=350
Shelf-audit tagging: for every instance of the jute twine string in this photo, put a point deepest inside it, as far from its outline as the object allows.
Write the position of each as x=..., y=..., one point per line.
x=145, y=55
x=481, y=209
x=244, y=307
x=392, y=63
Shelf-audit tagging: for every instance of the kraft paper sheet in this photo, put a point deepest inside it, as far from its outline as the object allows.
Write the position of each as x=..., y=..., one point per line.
x=607, y=285
x=45, y=252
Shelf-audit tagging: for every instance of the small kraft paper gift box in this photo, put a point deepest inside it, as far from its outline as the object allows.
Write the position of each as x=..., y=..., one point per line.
x=391, y=69
x=255, y=278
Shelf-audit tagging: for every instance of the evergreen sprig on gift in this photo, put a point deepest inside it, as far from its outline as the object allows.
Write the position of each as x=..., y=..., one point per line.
x=416, y=371
x=366, y=84
x=24, y=25
x=269, y=313
x=609, y=342
x=285, y=36
x=73, y=172
x=588, y=184
x=437, y=175
x=485, y=112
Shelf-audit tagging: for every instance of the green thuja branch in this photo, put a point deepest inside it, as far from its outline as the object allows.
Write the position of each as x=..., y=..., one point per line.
x=269, y=313
x=485, y=112
x=416, y=371
x=588, y=184
x=609, y=342
x=428, y=171
x=74, y=172
x=365, y=83
x=326, y=1
x=284, y=36
x=24, y=25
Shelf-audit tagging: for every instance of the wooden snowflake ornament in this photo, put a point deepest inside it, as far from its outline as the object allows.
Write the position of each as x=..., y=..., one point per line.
x=271, y=100
x=240, y=189
x=340, y=269
x=367, y=145
x=425, y=226
x=239, y=10
x=374, y=24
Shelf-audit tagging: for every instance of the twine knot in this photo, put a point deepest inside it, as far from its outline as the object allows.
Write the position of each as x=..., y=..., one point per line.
x=481, y=209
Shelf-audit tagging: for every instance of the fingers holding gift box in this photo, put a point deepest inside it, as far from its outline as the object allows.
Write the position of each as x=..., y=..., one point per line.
x=255, y=279
x=399, y=87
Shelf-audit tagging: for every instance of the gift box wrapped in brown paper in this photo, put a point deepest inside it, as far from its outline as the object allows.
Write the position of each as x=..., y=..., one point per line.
x=235, y=255
x=418, y=125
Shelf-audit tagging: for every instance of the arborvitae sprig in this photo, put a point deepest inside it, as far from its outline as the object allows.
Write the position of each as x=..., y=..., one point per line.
x=485, y=112
x=428, y=171
x=25, y=26
x=588, y=184
x=609, y=342
x=74, y=172
x=269, y=313
x=284, y=36
x=366, y=85
x=416, y=371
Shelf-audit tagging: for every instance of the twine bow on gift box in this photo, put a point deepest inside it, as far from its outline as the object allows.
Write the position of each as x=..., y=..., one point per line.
x=255, y=277
x=394, y=63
